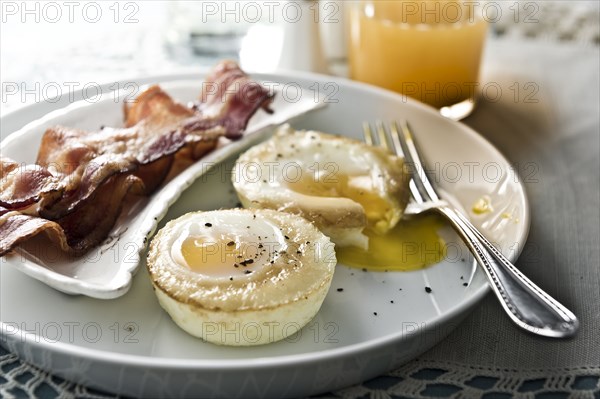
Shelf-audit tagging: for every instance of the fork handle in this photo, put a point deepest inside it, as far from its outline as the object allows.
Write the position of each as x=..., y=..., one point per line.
x=528, y=305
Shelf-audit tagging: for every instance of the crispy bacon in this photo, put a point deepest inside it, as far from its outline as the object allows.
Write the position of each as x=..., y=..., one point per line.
x=228, y=96
x=81, y=179
x=16, y=228
x=24, y=185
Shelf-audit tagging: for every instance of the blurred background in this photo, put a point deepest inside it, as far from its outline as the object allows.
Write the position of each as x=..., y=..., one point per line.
x=49, y=48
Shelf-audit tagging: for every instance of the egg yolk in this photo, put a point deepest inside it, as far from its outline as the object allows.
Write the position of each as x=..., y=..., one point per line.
x=483, y=205
x=356, y=188
x=220, y=256
x=413, y=244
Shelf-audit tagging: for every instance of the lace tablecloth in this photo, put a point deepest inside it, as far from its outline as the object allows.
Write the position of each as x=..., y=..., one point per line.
x=548, y=115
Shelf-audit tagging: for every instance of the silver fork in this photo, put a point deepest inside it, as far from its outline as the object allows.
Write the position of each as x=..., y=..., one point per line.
x=527, y=305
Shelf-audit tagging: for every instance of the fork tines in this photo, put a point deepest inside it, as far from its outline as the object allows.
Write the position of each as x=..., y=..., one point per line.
x=381, y=138
x=400, y=141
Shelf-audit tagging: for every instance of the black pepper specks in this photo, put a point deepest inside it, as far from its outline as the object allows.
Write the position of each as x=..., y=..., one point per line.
x=374, y=313
x=465, y=284
x=208, y=224
x=340, y=289
x=428, y=290
x=230, y=243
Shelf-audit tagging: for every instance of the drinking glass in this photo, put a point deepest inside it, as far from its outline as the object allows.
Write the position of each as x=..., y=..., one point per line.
x=428, y=50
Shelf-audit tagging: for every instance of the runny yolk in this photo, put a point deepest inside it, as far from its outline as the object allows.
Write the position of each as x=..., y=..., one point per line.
x=356, y=188
x=413, y=244
x=217, y=257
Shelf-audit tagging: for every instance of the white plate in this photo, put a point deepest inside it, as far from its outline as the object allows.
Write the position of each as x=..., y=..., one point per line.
x=130, y=346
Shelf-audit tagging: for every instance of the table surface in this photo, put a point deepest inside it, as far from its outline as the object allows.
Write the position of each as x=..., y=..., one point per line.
x=545, y=121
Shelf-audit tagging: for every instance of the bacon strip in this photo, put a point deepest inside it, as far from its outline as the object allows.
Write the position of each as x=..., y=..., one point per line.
x=81, y=179
x=23, y=185
x=16, y=228
x=228, y=96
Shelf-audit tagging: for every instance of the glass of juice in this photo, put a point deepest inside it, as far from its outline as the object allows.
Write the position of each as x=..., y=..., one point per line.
x=429, y=50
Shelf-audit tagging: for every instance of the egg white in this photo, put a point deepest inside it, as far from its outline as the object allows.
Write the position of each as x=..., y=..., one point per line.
x=283, y=291
x=270, y=174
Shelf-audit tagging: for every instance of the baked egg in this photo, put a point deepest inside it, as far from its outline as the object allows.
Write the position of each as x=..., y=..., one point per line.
x=342, y=185
x=241, y=276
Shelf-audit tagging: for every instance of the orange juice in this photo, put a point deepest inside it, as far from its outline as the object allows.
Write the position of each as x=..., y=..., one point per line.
x=428, y=50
